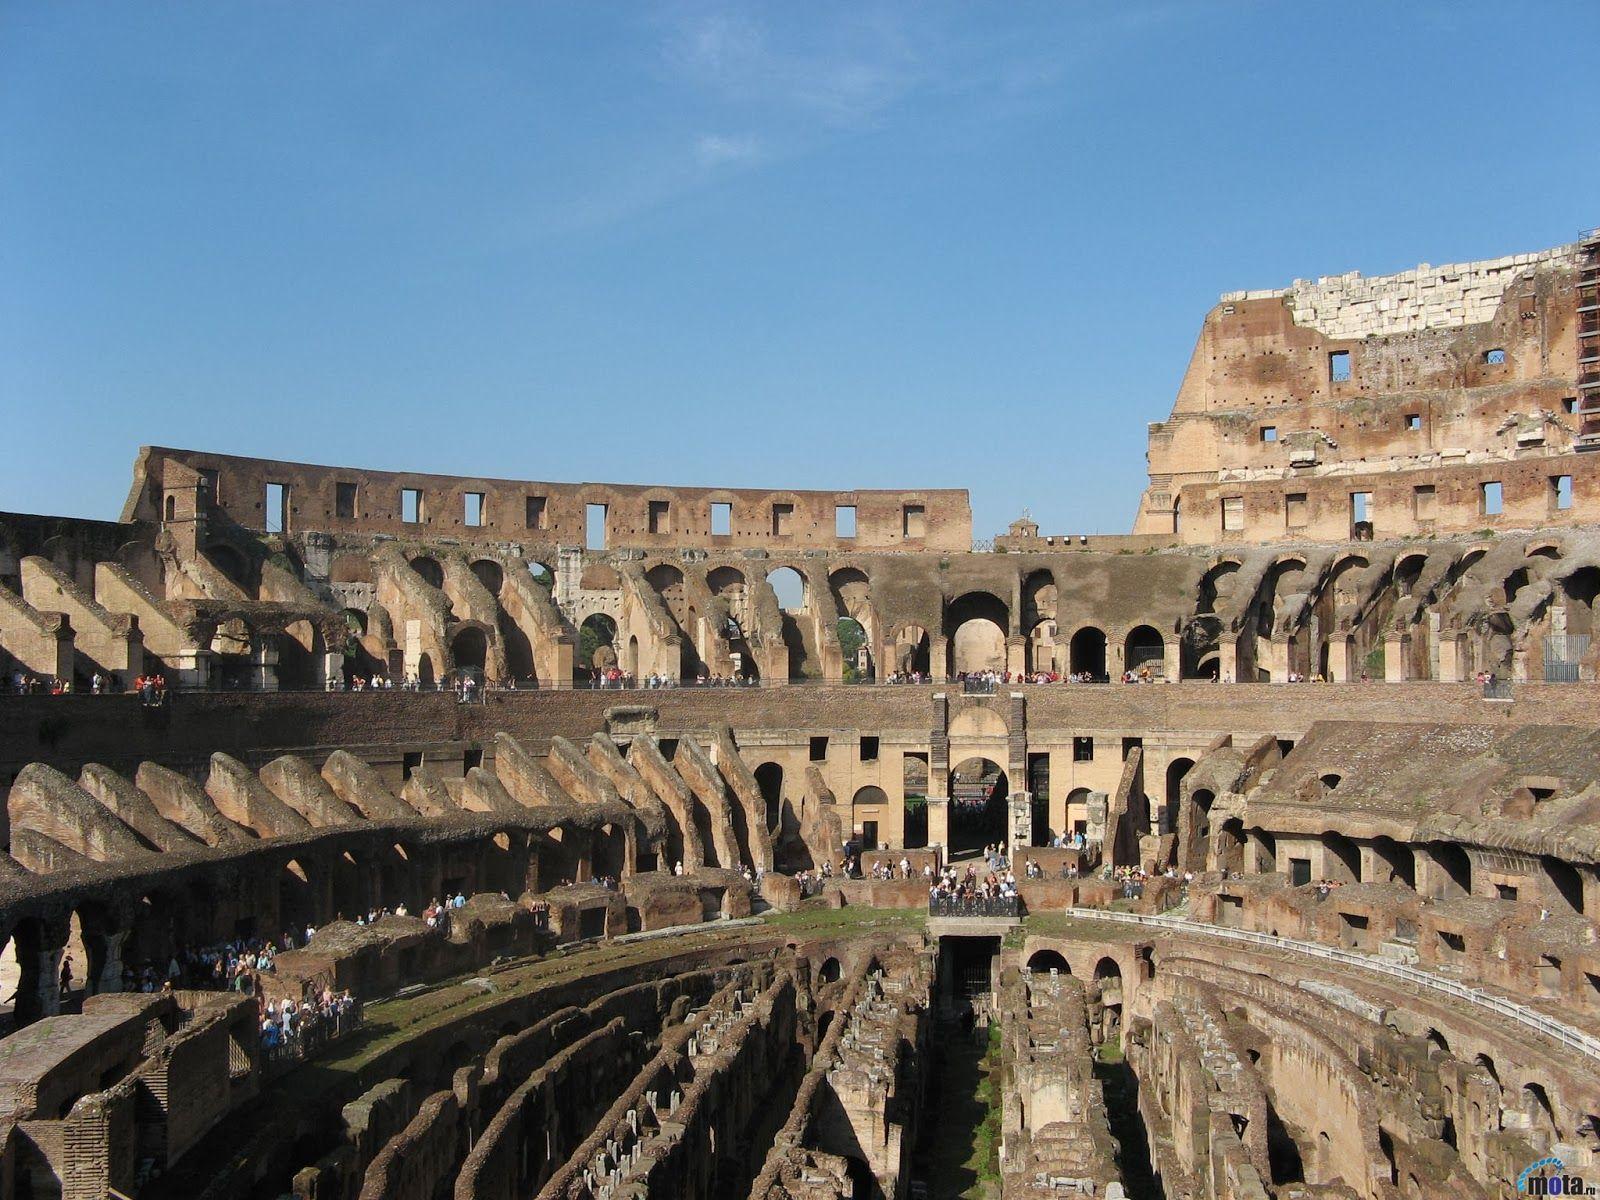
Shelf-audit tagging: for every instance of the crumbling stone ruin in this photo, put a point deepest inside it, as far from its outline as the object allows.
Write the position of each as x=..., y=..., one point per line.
x=490, y=839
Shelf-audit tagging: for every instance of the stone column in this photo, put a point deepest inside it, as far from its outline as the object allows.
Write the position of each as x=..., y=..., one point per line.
x=1278, y=664
x=264, y=667
x=1394, y=658
x=1449, y=661
x=1172, y=658
x=1016, y=654
x=1228, y=660
x=1339, y=659
x=110, y=979
x=939, y=659
x=332, y=668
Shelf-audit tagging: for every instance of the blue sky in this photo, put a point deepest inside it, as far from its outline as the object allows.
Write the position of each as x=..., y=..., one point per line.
x=851, y=245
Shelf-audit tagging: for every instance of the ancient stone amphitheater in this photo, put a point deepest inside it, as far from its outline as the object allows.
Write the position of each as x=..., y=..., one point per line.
x=488, y=838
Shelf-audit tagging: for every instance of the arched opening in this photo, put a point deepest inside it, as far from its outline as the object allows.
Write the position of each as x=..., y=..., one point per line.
x=1144, y=654
x=769, y=778
x=1230, y=843
x=1043, y=962
x=1439, y=1041
x=914, y=786
x=1108, y=974
x=829, y=971
x=300, y=649
x=543, y=575
x=426, y=675
x=172, y=508
x=359, y=659
x=1397, y=859
x=911, y=651
x=794, y=606
x=470, y=648
x=1086, y=654
x=491, y=574
x=978, y=794
x=976, y=624
x=1455, y=867
x=1342, y=863
x=429, y=568
x=631, y=664
x=855, y=648
x=790, y=588
x=1565, y=884
x=869, y=809
x=1536, y=1111
x=1078, y=810
x=1176, y=770
x=597, y=649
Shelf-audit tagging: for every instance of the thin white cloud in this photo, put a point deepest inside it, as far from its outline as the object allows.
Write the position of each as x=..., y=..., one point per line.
x=716, y=150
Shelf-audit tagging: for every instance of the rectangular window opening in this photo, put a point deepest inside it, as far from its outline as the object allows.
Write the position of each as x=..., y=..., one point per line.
x=1360, y=507
x=844, y=520
x=1495, y=357
x=1129, y=745
x=1232, y=513
x=1269, y=433
x=277, y=507
x=1491, y=500
x=913, y=521
x=819, y=749
x=210, y=490
x=1413, y=420
x=535, y=513
x=1569, y=405
x=344, y=501
x=869, y=749
x=782, y=520
x=1295, y=511
x=721, y=519
x=1083, y=749
x=472, y=509
x=594, y=526
x=1339, y=366
x=660, y=516
x=410, y=760
x=411, y=506
x=1561, y=492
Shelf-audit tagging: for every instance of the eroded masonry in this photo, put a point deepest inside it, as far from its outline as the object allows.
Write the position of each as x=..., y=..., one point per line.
x=384, y=835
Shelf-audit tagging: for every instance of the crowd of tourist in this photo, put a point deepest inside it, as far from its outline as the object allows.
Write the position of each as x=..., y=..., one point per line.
x=298, y=1029
x=952, y=884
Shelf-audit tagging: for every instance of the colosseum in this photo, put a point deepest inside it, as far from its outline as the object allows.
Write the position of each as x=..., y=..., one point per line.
x=374, y=835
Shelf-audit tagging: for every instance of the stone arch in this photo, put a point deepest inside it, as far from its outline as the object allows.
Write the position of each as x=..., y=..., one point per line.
x=978, y=792
x=489, y=573
x=912, y=650
x=977, y=722
x=1042, y=962
x=1086, y=652
x=431, y=570
x=1176, y=770
x=976, y=624
x=769, y=779
x=791, y=587
x=469, y=647
x=300, y=649
x=1143, y=650
x=597, y=647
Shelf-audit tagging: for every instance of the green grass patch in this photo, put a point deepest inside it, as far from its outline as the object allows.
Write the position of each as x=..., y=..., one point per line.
x=822, y=919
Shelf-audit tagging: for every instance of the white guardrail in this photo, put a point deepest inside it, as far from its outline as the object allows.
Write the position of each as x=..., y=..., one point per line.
x=1566, y=1035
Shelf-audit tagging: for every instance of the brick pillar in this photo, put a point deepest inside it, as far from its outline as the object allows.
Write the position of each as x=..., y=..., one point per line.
x=939, y=660
x=939, y=775
x=1228, y=660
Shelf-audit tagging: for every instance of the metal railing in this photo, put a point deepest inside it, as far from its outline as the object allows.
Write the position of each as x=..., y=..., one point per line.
x=974, y=906
x=1497, y=689
x=1566, y=1035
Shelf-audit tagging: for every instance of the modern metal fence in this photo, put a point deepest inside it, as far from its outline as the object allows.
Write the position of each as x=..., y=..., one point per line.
x=974, y=906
